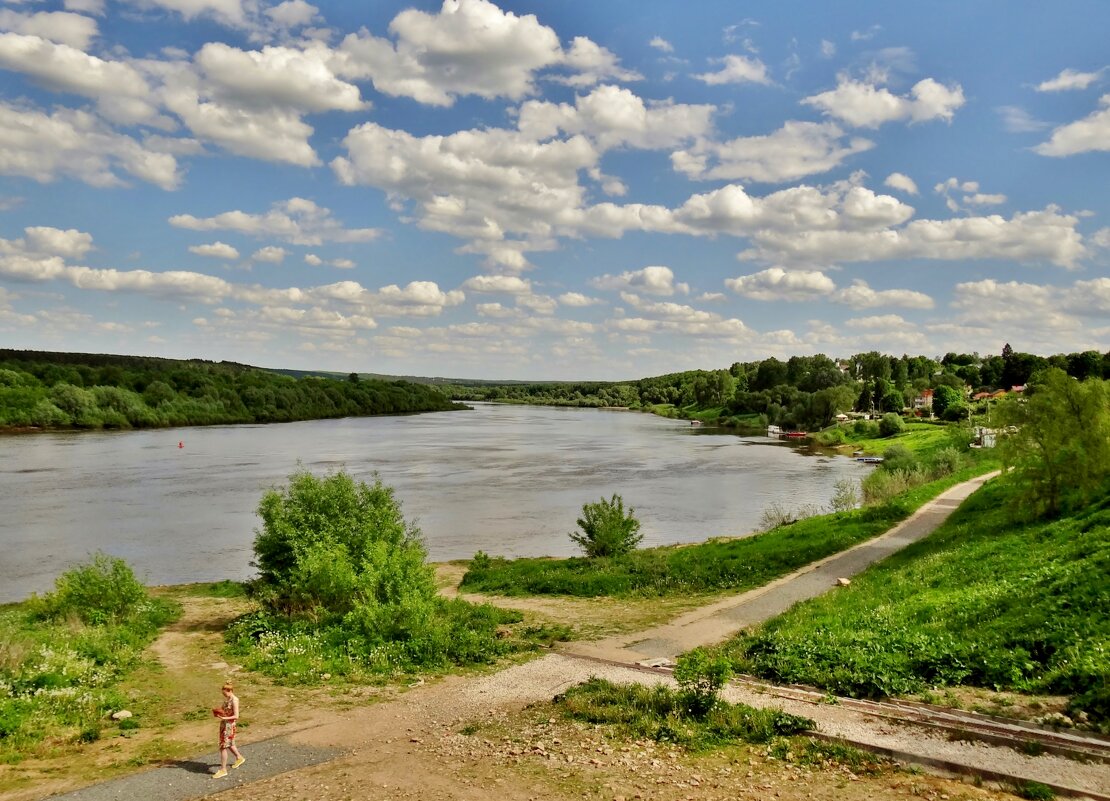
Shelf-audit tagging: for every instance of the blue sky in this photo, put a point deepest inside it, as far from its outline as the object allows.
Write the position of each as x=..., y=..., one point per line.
x=552, y=190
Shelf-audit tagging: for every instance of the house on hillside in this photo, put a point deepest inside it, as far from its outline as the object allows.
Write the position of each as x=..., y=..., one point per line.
x=924, y=400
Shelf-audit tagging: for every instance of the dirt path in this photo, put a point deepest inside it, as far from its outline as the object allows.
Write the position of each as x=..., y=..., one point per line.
x=469, y=738
x=716, y=622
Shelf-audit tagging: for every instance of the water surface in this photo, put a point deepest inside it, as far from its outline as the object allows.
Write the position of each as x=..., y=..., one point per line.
x=508, y=480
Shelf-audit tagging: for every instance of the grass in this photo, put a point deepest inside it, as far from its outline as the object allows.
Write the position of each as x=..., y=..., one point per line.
x=984, y=601
x=659, y=713
x=714, y=566
x=921, y=438
x=59, y=679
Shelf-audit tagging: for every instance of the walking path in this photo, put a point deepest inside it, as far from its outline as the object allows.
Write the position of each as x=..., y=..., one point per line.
x=410, y=748
x=712, y=624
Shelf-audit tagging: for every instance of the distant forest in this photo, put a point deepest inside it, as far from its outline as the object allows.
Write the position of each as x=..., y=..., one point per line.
x=805, y=392
x=78, y=390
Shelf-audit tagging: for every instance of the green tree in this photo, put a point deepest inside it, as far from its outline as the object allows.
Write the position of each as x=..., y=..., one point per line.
x=943, y=397
x=607, y=530
x=891, y=424
x=1059, y=451
x=329, y=544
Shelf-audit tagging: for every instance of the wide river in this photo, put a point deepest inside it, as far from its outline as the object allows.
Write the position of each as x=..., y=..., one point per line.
x=508, y=480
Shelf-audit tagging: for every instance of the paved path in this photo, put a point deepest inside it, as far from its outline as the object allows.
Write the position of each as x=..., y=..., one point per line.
x=708, y=625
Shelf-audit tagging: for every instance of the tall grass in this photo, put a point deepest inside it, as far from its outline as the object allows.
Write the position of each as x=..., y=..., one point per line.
x=983, y=601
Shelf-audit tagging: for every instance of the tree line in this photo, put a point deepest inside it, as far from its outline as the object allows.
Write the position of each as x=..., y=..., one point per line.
x=806, y=391
x=76, y=390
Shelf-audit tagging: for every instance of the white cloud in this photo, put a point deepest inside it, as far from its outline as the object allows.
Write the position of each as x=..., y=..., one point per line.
x=868, y=106
x=1015, y=119
x=539, y=304
x=469, y=47
x=861, y=296
x=613, y=117
x=292, y=13
x=885, y=321
x=47, y=241
x=1092, y=133
x=226, y=12
x=794, y=151
x=775, y=283
x=593, y=64
x=866, y=35
x=94, y=7
x=736, y=69
x=296, y=220
x=828, y=49
x=661, y=44
x=276, y=77
x=903, y=183
x=312, y=260
x=578, y=300
x=270, y=254
x=75, y=30
x=343, y=264
x=486, y=186
x=215, y=250
x=508, y=284
x=495, y=310
x=1069, y=80
x=655, y=280
x=76, y=144
x=1027, y=237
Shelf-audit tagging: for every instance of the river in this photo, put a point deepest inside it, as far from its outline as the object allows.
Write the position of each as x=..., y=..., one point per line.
x=508, y=480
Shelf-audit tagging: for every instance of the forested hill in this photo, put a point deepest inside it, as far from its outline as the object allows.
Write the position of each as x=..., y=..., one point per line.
x=77, y=390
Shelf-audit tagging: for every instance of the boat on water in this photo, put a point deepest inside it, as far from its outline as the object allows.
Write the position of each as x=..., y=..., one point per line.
x=796, y=434
x=773, y=431
x=695, y=422
x=870, y=459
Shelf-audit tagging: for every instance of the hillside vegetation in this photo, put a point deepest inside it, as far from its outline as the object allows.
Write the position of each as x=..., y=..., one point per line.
x=76, y=390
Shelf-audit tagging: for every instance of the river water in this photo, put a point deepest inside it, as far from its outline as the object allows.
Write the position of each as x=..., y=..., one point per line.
x=508, y=480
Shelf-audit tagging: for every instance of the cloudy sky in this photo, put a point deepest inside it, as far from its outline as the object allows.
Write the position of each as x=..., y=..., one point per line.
x=572, y=189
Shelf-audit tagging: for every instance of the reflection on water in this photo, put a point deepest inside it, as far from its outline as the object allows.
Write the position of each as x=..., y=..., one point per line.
x=507, y=480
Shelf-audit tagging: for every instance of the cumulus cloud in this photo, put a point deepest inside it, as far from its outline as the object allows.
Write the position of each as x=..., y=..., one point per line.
x=1069, y=80
x=861, y=296
x=866, y=105
x=903, y=183
x=794, y=151
x=75, y=144
x=63, y=27
x=592, y=64
x=661, y=44
x=655, y=280
x=292, y=14
x=736, y=69
x=1027, y=237
x=296, y=220
x=612, y=117
x=508, y=284
x=488, y=186
x=1092, y=133
x=215, y=250
x=775, y=283
x=578, y=300
x=270, y=254
x=468, y=47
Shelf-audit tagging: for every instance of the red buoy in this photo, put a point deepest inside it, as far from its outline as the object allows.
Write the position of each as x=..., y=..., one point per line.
x=181, y=444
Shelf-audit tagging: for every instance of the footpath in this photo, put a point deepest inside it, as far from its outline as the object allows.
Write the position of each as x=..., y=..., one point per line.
x=412, y=747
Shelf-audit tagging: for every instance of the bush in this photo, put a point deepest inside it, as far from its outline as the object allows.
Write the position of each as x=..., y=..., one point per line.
x=865, y=429
x=891, y=424
x=846, y=495
x=607, y=530
x=777, y=515
x=898, y=457
x=103, y=590
x=700, y=678
x=330, y=544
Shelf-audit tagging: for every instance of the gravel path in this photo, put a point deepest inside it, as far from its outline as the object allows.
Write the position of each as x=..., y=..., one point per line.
x=712, y=624
x=193, y=778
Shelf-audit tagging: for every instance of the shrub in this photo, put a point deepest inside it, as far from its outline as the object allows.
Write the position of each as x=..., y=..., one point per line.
x=846, y=495
x=898, y=457
x=865, y=429
x=329, y=544
x=700, y=678
x=777, y=515
x=891, y=424
x=100, y=591
x=607, y=530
